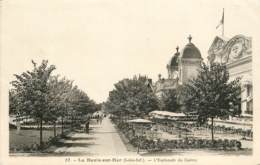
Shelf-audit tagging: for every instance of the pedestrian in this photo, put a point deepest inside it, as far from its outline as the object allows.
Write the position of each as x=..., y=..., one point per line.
x=100, y=120
x=97, y=119
x=87, y=127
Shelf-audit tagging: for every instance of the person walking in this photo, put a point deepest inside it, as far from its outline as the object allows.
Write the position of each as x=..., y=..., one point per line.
x=100, y=120
x=97, y=119
x=87, y=127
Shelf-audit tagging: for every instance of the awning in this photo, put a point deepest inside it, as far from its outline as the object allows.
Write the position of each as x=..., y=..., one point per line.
x=167, y=114
x=141, y=121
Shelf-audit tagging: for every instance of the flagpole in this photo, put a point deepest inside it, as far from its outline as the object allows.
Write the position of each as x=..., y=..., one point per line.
x=223, y=24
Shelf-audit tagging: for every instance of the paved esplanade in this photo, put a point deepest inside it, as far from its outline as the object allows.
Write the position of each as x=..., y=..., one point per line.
x=102, y=140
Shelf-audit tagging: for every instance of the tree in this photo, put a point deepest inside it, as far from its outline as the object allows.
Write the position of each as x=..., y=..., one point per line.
x=80, y=104
x=59, y=90
x=132, y=96
x=32, y=89
x=13, y=102
x=170, y=100
x=212, y=94
x=66, y=100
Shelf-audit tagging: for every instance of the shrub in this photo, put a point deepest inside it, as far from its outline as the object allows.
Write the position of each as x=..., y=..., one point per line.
x=158, y=145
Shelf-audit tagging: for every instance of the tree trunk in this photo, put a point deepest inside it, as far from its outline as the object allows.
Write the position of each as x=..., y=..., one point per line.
x=71, y=122
x=62, y=125
x=54, y=129
x=212, y=128
x=41, y=142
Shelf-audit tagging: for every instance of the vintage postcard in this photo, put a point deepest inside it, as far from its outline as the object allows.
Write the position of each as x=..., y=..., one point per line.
x=129, y=82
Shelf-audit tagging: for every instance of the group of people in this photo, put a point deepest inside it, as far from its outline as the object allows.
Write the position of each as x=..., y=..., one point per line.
x=98, y=118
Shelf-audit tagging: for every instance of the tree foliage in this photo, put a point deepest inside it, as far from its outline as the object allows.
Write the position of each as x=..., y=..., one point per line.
x=170, y=100
x=212, y=94
x=132, y=96
x=32, y=89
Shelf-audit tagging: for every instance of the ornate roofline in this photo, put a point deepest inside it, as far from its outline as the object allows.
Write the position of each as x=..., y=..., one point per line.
x=225, y=47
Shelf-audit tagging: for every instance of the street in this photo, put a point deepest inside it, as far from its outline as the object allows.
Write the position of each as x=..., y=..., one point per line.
x=102, y=140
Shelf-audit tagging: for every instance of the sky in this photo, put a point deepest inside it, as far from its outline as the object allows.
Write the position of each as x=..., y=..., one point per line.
x=96, y=43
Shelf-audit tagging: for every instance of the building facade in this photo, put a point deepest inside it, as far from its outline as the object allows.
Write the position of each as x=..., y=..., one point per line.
x=236, y=54
x=182, y=66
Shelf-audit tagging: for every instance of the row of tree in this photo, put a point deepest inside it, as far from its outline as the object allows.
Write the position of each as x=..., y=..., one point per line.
x=211, y=94
x=132, y=97
x=47, y=98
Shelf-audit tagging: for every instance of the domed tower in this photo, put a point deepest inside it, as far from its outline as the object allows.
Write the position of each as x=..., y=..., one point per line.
x=190, y=62
x=173, y=65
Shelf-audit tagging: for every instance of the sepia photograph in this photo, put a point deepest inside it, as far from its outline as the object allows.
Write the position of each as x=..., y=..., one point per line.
x=129, y=82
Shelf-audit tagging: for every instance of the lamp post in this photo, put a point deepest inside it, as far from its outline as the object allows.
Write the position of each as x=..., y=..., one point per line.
x=139, y=137
x=139, y=125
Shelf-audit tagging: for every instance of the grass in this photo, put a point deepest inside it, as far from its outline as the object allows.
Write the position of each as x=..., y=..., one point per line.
x=28, y=137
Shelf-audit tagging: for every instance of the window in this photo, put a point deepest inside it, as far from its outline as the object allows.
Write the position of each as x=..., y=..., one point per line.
x=249, y=90
x=249, y=107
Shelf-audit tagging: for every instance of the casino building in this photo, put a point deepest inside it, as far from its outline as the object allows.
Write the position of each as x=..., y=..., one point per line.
x=236, y=54
x=181, y=67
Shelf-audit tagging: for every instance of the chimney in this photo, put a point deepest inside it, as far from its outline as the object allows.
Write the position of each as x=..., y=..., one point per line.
x=159, y=77
x=150, y=81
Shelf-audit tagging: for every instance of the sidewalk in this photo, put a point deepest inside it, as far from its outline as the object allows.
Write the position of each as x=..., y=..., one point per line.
x=102, y=140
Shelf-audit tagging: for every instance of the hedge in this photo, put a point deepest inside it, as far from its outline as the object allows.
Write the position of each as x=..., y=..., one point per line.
x=186, y=143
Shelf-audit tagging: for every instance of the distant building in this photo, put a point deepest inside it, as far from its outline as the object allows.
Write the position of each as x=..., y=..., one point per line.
x=182, y=66
x=236, y=53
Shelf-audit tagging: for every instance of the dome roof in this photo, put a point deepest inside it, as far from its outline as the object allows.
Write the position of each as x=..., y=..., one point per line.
x=174, y=60
x=190, y=50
